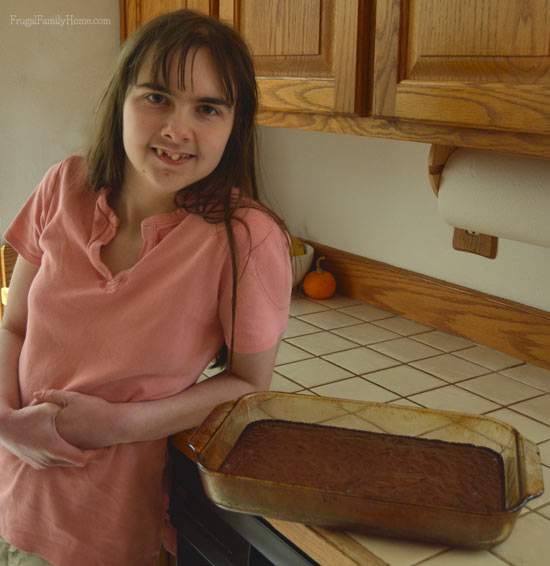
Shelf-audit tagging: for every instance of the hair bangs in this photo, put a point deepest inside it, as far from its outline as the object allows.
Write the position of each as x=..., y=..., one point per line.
x=183, y=50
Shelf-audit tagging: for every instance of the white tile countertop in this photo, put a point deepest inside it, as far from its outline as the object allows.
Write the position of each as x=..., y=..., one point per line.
x=345, y=348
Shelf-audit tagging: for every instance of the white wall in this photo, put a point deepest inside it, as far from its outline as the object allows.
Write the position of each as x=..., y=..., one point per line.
x=52, y=76
x=372, y=197
x=367, y=196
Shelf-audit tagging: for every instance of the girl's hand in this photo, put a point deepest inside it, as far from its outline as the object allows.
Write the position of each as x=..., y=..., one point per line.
x=30, y=434
x=85, y=421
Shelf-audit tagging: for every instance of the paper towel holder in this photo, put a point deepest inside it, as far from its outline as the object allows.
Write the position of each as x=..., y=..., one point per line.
x=463, y=240
x=437, y=159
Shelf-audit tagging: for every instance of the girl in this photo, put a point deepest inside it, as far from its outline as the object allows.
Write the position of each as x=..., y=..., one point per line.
x=137, y=266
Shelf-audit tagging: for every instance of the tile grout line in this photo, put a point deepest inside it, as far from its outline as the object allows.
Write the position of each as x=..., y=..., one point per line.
x=504, y=405
x=290, y=379
x=396, y=315
x=484, y=375
x=501, y=558
x=424, y=560
x=411, y=336
x=408, y=396
x=364, y=375
x=510, y=408
x=400, y=363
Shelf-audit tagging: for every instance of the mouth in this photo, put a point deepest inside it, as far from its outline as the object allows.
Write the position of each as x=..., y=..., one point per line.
x=171, y=158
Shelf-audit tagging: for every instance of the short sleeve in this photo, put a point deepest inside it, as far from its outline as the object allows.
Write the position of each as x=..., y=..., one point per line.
x=25, y=230
x=263, y=289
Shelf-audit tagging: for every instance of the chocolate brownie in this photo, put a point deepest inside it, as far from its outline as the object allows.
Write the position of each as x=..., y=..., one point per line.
x=374, y=465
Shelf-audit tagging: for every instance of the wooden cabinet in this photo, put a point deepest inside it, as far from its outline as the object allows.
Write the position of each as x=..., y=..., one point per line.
x=309, y=54
x=470, y=73
x=134, y=13
x=474, y=63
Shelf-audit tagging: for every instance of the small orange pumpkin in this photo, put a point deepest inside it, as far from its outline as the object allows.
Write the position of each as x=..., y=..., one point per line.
x=319, y=284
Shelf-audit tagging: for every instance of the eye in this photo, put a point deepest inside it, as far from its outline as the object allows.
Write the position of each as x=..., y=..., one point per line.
x=156, y=98
x=208, y=110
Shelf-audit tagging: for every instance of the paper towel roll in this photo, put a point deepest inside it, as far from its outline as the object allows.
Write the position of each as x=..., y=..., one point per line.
x=501, y=195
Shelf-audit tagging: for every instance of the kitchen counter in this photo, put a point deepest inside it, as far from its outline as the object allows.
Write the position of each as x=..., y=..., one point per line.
x=346, y=348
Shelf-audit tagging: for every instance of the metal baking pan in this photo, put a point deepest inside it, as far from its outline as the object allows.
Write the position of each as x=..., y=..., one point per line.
x=380, y=513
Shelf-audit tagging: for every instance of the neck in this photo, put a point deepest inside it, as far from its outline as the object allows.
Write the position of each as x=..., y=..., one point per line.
x=131, y=211
x=132, y=204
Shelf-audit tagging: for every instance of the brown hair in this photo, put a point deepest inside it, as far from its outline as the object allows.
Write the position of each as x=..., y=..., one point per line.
x=178, y=34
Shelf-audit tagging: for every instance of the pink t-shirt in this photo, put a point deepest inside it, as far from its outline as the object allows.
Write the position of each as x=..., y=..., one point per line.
x=144, y=334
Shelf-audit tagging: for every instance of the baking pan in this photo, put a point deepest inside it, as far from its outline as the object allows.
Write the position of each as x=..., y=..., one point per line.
x=381, y=511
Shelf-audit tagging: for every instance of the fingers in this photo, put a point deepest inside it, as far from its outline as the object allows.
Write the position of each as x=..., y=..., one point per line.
x=49, y=409
x=55, y=396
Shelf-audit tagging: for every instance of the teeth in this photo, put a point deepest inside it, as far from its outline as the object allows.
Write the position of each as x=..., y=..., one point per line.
x=172, y=156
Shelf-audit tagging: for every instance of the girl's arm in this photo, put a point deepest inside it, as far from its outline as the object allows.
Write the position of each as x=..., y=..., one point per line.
x=89, y=422
x=151, y=420
x=28, y=433
x=12, y=334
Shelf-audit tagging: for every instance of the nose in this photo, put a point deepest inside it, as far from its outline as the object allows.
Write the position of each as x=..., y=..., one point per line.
x=178, y=126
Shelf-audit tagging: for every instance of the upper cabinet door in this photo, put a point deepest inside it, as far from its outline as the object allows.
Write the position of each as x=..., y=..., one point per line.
x=474, y=63
x=135, y=13
x=308, y=54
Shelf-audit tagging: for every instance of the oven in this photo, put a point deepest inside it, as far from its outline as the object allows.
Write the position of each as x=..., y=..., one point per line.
x=209, y=535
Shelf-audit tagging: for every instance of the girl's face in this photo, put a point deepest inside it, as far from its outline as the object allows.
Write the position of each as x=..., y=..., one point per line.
x=172, y=137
